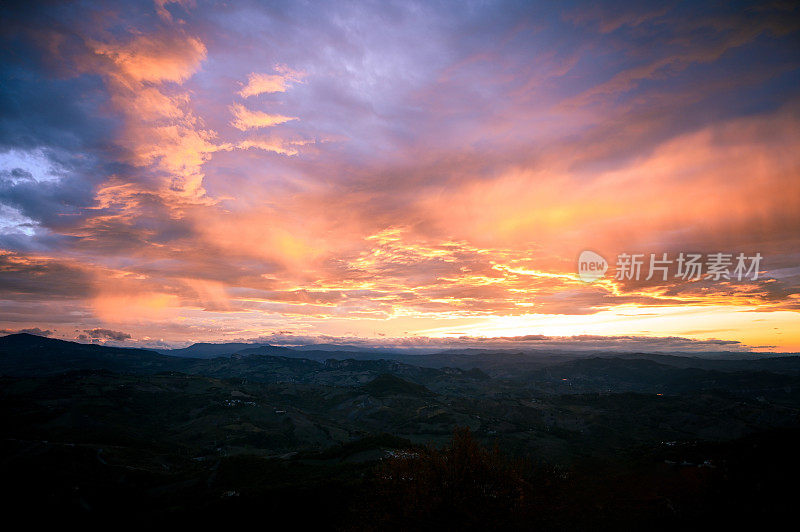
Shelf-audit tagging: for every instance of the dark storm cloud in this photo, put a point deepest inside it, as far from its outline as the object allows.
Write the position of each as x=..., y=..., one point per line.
x=107, y=334
x=55, y=108
x=35, y=330
x=52, y=112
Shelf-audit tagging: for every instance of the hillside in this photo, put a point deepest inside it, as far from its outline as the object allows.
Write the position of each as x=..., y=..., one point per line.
x=172, y=437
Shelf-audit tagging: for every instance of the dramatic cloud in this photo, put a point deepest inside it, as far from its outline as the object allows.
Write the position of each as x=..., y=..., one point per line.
x=190, y=171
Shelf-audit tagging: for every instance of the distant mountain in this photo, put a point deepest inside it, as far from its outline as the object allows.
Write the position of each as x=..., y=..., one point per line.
x=784, y=363
x=208, y=350
x=323, y=352
x=315, y=351
x=27, y=354
x=312, y=351
x=337, y=347
x=444, y=373
x=270, y=350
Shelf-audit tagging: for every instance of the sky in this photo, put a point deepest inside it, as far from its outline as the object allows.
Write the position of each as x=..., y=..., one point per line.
x=399, y=173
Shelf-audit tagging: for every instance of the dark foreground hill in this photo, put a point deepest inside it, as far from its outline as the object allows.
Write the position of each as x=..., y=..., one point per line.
x=28, y=354
x=605, y=442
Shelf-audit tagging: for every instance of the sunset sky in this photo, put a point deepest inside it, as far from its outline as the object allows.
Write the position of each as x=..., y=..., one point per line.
x=415, y=173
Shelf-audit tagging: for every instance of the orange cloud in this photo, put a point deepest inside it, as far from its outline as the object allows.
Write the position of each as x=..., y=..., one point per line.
x=113, y=308
x=275, y=144
x=166, y=57
x=161, y=129
x=245, y=119
x=269, y=83
x=733, y=176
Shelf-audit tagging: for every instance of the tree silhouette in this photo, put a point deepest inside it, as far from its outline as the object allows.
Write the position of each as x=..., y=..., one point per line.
x=464, y=486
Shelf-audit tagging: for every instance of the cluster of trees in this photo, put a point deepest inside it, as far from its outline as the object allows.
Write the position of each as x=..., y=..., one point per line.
x=464, y=486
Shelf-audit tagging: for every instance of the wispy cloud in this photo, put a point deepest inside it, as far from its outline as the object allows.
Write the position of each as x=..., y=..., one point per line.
x=268, y=83
x=245, y=119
